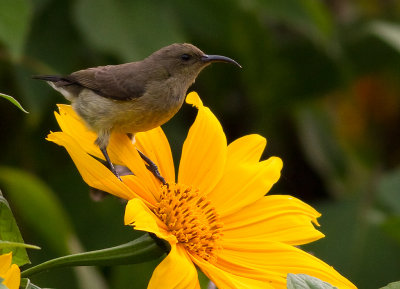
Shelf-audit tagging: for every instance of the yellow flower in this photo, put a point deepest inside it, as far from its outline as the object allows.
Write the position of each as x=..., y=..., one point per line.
x=10, y=273
x=216, y=215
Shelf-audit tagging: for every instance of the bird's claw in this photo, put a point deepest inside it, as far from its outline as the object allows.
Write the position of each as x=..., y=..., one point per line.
x=156, y=173
x=109, y=163
x=152, y=167
x=114, y=171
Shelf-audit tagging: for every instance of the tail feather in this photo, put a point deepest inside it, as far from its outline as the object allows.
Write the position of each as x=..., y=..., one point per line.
x=52, y=78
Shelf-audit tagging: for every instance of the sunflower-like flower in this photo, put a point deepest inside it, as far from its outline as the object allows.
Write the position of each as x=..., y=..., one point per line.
x=215, y=213
x=9, y=273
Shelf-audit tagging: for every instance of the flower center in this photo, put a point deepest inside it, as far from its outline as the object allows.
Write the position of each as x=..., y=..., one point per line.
x=191, y=218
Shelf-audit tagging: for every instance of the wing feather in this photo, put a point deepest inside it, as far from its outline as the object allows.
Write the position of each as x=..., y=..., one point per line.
x=120, y=82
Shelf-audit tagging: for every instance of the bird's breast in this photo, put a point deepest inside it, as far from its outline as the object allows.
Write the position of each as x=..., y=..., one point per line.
x=160, y=102
x=147, y=112
x=157, y=105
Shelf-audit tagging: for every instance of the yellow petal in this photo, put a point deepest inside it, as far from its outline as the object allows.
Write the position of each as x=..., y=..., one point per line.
x=225, y=280
x=124, y=152
x=12, y=278
x=244, y=184
x=154, y=144
x=138, y=215
x=194, y=99
x=72, y=124
x=176, y=271
x=246, y=149
x=5, y=262
x=266, y=257
x=92, y=171
x=204, y=151
x=120, y=149
x=136, y=185
x=273, y=218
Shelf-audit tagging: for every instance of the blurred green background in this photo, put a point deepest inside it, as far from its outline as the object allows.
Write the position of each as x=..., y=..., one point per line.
x=320, y=80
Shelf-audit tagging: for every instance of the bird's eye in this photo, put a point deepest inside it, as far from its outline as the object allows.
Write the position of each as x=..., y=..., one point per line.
x=185, y=57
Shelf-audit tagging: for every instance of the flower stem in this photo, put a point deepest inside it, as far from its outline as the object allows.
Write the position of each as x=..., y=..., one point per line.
x=137, y=251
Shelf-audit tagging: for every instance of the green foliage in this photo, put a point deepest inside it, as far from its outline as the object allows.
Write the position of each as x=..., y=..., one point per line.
x=40, y=209
x=15, y=18
x=387, y=32
x=9, y=232
x=26, y=284
x=389, y=193
x=203, y=280
x=320, y=145
x=319, y=80
x=35, y=202
x=393, y=285
x=121, y=22
x=303, y=281
x=7, y=244
x=352, y=228
x=312, y=18
x=139, y=250
x=389, y=198
x=13, y=101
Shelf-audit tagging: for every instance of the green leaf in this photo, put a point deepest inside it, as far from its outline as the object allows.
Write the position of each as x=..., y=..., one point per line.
x=7, y=244
x=14, y=101
x=391, y=226
x=15, y=18
x=324, y=152
x=345, y=230
x=203, y=279
x=303, y=281
x=389, y=191
x=141, y=273
x=387, y=32
x=131, y=29
x=140, y=250
x=393, y=285
x=9, y=232
x=35, y=202
x=311, y=17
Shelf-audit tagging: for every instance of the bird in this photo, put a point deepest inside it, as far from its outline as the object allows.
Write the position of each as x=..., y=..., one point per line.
x=133, y=97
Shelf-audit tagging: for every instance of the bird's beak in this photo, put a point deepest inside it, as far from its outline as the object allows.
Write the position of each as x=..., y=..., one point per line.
x=218, y=58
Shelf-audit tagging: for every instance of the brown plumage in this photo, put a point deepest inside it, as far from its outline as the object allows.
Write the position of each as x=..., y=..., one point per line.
x=135, y=96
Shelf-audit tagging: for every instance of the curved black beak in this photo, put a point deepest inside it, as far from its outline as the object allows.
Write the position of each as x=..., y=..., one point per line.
x=218, y=58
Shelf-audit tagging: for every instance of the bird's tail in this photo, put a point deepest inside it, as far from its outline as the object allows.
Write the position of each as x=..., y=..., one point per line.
x=51, y=78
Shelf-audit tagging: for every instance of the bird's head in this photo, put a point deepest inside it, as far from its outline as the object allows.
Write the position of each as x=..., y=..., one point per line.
x=186, y=60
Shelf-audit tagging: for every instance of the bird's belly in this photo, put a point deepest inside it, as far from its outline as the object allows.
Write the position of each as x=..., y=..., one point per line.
x=131, y=116
x=143, y=119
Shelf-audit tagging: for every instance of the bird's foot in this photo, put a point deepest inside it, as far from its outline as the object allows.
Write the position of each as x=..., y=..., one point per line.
x=114, y=171
x=109, y=163
x=154, y=170
x=152, y=167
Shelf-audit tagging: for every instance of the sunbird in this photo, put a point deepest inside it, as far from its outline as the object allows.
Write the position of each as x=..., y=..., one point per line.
x=136, y=96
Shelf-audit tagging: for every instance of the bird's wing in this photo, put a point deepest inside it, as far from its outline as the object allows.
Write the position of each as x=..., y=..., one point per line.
x=120, y=82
